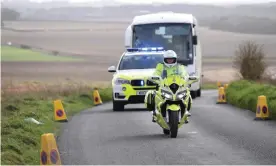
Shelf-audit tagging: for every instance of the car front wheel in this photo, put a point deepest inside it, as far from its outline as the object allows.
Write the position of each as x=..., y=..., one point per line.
x=199, y=92
x=118, y=106
x=193, y=94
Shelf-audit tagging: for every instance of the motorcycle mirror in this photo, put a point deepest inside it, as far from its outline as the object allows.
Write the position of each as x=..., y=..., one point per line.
x=155, y=78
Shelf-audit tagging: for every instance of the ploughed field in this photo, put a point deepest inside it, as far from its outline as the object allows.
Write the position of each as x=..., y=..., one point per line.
x=100, y=44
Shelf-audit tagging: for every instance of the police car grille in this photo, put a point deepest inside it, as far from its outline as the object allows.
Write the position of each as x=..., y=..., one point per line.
x=174, y=87
x=137, y=82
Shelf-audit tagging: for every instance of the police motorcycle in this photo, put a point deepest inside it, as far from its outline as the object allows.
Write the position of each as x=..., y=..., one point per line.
x=171, y=98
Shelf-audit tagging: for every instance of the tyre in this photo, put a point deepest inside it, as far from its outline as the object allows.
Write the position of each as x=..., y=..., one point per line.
x=118, y=106
x=198, y=92
x=173, y=121
x=193, y=94
x=166, y=132
x=189, y=105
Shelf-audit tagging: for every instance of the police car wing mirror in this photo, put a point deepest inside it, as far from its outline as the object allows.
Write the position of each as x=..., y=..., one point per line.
x=112, y=69
x=194, y=40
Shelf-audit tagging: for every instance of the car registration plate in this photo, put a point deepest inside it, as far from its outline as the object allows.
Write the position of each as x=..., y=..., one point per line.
x=142, y=92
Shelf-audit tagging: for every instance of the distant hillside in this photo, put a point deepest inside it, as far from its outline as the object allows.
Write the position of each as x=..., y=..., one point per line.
x=260, y=18
x=244, y=24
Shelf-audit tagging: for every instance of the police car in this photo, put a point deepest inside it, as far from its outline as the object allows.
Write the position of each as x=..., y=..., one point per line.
x=129, y=81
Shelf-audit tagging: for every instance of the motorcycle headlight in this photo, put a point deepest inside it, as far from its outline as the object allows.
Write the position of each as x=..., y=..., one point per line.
x=181, y=95
x=120, y=81
x=166, y=94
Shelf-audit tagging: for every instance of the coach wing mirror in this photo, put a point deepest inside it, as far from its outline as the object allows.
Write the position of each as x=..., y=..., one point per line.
x=194, y=40
x=112, y=69
x=193, y=79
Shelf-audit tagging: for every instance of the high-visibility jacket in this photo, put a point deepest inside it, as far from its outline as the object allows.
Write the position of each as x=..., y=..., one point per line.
x=163, y=71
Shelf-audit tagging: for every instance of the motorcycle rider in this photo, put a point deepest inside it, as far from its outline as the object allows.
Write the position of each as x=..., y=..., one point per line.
x=168, y=67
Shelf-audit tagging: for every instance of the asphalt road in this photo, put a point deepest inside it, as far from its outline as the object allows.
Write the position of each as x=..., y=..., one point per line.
x=216, y=134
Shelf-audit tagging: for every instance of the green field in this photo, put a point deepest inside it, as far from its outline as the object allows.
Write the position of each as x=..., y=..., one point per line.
x=230, y=59
x=18, y=54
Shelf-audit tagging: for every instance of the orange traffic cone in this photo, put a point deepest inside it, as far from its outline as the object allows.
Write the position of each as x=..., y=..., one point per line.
x=221, y=96
x=262, y=112
x=60, y=114
x=49, y=154
x=97, y=97
x=219, y=84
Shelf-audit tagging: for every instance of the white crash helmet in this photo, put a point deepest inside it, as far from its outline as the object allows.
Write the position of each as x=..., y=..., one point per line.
x=170, y=58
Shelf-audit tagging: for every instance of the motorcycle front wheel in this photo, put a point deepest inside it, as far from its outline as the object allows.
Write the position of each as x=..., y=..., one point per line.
x=173, y=121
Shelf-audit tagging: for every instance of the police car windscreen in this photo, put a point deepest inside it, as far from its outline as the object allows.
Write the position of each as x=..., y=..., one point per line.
x=142, y=61
x=171, y=36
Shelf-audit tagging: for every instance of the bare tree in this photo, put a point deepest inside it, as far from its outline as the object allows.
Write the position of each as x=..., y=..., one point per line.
x=250, y=60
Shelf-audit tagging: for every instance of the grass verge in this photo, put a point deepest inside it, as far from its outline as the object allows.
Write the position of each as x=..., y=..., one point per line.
x=17, y=54
x=244, y=94
x=21, y=139
x=209, y=86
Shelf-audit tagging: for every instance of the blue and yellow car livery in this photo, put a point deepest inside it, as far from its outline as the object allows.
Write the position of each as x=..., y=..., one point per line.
x=130, y=80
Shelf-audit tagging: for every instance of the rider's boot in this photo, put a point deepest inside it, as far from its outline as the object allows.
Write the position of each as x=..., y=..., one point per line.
x=153, y=116
x=187, y=120
x=188, y=114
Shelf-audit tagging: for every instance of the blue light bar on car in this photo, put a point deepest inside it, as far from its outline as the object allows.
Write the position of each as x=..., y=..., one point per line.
x=145, y=49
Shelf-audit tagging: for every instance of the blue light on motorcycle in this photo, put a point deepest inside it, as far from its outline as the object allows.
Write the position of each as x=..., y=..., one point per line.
x=142, y=83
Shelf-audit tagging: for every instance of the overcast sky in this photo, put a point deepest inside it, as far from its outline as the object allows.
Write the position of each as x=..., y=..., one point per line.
x=174, y=1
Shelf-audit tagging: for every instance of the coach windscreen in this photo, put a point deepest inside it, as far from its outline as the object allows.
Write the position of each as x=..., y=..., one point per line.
x=173, y=36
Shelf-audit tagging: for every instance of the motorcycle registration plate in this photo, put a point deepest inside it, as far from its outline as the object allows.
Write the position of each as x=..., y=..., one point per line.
x=141, y=92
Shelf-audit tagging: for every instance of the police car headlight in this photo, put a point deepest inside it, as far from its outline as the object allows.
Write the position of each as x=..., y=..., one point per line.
x=120, y=81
